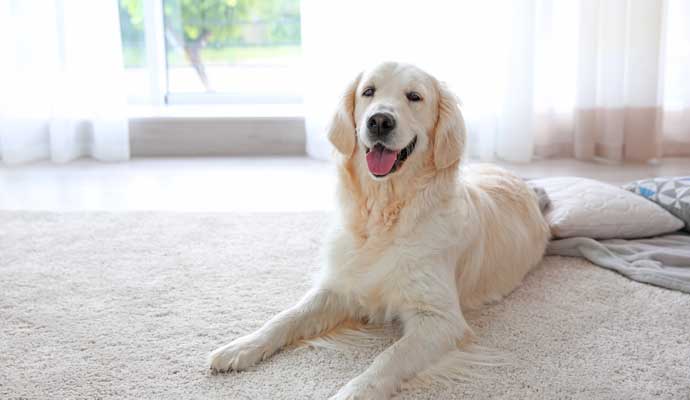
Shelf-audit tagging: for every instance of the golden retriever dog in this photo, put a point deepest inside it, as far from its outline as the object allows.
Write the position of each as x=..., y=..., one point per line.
x=418, y=240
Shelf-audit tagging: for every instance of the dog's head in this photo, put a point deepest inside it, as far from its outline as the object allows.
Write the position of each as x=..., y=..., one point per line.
x=396, y=115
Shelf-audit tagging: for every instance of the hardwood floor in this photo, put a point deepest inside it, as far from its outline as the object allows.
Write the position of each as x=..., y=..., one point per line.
x=231, y=184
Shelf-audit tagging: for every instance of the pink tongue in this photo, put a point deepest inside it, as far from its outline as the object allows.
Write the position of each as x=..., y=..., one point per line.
x=380, y=160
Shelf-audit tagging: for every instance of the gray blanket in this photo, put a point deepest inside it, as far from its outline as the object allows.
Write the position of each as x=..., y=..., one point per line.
x=662, y=261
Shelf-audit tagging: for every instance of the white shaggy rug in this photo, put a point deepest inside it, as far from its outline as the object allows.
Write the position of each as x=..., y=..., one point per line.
x=98, y=305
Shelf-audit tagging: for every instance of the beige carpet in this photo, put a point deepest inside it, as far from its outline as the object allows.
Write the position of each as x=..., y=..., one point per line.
x=128, y=306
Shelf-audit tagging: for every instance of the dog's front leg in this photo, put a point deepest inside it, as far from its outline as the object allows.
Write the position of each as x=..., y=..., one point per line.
x=318, y=311
x=427, y=337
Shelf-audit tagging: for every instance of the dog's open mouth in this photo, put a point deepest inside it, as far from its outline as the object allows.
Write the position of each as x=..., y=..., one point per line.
x=383, y=161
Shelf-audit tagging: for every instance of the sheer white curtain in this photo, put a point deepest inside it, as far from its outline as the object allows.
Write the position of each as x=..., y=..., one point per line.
x=61, y=79
x=590, y=79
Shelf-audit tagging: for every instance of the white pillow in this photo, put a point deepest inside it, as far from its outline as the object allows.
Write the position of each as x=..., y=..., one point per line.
x=585, y=207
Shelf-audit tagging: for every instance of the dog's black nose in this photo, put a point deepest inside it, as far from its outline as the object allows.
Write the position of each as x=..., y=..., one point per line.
x=380, y=124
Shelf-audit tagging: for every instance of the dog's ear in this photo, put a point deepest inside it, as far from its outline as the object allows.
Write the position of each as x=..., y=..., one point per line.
x=341, y=131
x=449, y=133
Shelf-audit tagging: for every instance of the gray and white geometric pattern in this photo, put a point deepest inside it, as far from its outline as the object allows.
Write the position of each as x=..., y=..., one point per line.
x=671, y=193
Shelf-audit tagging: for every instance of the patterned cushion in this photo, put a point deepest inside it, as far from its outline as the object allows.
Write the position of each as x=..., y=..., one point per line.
x=671, y=193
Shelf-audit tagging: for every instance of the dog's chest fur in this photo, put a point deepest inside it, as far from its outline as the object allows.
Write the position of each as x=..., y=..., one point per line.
x=393, y=238
x=381, y=271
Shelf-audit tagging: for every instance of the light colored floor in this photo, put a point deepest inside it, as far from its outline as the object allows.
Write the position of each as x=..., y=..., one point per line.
x=133, y=316
x=231, y=184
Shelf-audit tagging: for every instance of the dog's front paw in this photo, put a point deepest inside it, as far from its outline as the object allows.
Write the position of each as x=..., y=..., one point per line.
x=239, y=354
x=361, y=391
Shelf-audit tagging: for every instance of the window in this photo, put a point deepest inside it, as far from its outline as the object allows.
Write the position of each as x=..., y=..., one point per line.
x=211, y=51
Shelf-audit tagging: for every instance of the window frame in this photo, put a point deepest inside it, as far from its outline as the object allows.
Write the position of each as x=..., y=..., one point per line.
x=166, y=124
x=156, y=64
x=158, y=73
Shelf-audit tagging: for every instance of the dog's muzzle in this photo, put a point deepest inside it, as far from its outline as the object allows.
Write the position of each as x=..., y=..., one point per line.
x=383, y=161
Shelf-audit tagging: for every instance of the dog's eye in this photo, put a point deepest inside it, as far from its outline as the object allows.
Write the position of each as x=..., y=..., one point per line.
x=413, y=96
x=368, y=92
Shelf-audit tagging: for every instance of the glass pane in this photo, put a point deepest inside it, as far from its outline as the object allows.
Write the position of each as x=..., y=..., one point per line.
x=240, y=47
x=134, y=48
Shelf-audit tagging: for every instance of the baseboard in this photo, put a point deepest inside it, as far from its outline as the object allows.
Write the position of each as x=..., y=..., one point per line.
x=216, y=136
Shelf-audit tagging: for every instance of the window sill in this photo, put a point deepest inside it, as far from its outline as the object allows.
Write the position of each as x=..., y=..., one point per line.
x=217, y=130
x=218, y=111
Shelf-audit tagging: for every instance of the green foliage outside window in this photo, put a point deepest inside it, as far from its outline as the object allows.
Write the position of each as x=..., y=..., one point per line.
x=214, y=30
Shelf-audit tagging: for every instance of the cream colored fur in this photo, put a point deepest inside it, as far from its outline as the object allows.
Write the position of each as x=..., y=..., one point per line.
x=419, y=245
